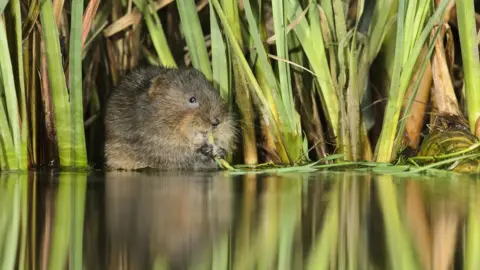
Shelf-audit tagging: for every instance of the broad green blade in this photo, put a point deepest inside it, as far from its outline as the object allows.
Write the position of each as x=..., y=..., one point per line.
x=79, y=151
x=56, y=76
x=11, y=99
x=190, y=23
x=470, y=59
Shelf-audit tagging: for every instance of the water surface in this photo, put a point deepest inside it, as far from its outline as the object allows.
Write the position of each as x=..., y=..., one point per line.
x=324, y=220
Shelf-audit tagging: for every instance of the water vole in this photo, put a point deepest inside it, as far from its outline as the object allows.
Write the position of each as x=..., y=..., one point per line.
x=161, y=117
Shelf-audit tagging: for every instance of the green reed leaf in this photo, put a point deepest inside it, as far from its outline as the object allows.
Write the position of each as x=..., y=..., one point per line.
x=311, y=38
x=401, y=79
x=3, y=4
x=79, y=152
x=157, y=34
x=470, y=58
x=220, y=68
x=8, y=156
x=11, y=99
x=194, y=37
x=60, y=98
x=20, y=81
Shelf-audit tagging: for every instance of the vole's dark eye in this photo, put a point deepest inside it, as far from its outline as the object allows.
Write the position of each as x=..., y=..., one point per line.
x=192, y=100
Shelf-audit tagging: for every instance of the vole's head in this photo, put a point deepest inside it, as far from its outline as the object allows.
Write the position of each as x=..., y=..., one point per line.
x=189, y=107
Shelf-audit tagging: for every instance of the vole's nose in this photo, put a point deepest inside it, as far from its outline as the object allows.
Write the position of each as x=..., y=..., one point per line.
x=215, y=122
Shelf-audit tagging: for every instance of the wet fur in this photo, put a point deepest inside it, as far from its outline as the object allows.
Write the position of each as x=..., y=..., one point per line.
x=149, y=122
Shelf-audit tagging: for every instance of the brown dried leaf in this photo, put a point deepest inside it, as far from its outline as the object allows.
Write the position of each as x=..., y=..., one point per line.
x=132, y=18
x=112, y=57
x=271, y=40
x=88, y=18
x=449, y=48
x=124, y=22
x=57, y=10
x=443, y=95
x=46, y=96
x=414, y=122
x=201, y=5
x=328, y=40
x=477, y=128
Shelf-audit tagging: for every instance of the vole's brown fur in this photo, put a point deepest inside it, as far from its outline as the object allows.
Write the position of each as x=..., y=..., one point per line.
x=160, y=117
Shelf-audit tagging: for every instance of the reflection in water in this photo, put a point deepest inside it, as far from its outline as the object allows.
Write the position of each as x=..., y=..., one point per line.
x=153, y=219
x=132, y=220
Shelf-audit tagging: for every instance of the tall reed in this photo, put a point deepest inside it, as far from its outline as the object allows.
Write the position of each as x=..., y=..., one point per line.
x=14, y=125
x=470, y=57
x=295, y=72
x=411, y=35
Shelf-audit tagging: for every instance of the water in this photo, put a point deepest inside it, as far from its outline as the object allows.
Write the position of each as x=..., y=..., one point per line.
x=343, y=220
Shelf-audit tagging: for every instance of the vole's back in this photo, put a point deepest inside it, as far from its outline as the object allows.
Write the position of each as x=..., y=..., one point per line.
x=124, y=98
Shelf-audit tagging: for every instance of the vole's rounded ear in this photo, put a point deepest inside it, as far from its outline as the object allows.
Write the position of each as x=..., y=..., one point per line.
x=158, y=85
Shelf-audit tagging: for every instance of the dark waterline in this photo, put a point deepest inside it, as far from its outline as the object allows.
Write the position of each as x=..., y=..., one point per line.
x=342, y=220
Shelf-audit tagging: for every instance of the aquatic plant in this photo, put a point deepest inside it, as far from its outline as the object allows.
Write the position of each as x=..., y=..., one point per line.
x=302, y=75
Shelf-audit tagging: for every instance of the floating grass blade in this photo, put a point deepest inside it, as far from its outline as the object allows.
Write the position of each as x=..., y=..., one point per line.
x=194, y=37
x=79, y=153
x=470, y=58
x=57, y=83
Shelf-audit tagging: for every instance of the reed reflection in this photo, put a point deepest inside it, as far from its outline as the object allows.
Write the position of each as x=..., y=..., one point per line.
x=133, y=220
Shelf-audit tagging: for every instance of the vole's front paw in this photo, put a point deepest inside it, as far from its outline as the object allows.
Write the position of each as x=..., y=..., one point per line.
x=207, y=150
x=210, y=150
x=219, y=152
